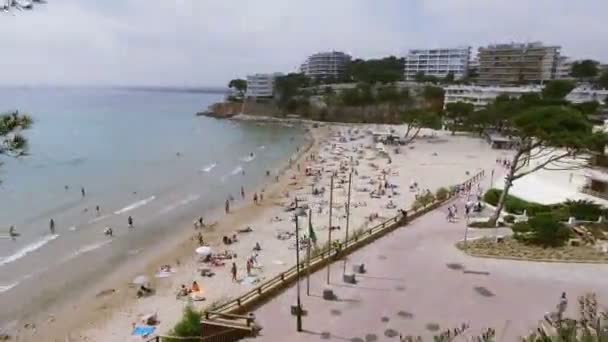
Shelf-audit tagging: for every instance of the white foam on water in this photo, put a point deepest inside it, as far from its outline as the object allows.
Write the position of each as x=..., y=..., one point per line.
x=98, y=219
x=4, y=288
x=262, y=147
x=135, y=205
x=72, y=228
x=185, y=201
x=27, y=249
x=208, y=168
x=86, y=249
x=236, y=170
x=248, y=159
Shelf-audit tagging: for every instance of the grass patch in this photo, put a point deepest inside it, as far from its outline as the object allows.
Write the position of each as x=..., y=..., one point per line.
x=515, y=249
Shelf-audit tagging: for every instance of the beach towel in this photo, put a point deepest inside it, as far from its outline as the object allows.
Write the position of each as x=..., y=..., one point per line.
x=143, y=331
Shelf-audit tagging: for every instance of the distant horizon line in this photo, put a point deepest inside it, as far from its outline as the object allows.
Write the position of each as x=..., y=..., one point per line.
x=160, y=88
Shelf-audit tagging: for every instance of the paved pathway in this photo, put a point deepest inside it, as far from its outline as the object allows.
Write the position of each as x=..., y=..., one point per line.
x=417, y=279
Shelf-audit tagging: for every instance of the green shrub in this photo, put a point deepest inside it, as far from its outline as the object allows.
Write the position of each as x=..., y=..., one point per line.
x=442, y=194
x=509, y=218
x=521, y=227
x=189, y=326
x=584, y=210
x=514, y=204
x=545, y=231
x=492, y=196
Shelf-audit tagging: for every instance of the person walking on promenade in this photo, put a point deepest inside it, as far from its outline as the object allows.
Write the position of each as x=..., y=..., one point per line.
x=561, y=307
x=233, y=271
x=130, y=221
x=52, y=226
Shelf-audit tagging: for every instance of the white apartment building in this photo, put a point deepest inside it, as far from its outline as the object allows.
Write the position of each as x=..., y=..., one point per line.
x=437, y=62
x=261, y=85
x=563, y=69
x=326, y=65
x=481, y=96
x=587, y=94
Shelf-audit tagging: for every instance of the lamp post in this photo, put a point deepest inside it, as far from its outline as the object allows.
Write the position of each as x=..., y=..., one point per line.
x=298, y=304
x=331, y=204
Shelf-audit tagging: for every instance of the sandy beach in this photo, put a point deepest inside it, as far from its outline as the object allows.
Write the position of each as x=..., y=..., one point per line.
x=385, y=179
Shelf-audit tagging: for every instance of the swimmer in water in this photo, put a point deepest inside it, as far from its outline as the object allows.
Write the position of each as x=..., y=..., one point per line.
x=52, y=226
x=12, y=232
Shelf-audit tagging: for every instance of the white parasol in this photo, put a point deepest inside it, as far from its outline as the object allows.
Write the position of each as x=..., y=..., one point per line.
x=203, y=250
x=141, y=280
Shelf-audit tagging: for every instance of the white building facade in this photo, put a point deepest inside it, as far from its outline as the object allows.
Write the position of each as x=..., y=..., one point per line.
x=261, y=85
x=481, y=96
x=587, y=94
x=438, y=62
x=326, y=65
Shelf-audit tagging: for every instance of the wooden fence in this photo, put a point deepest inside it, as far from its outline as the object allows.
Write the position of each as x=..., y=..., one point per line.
x=329, y=254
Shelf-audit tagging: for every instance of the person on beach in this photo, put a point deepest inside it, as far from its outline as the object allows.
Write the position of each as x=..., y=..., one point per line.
x=233, y=271
x=52, y=226
x=561, y=307
x=201, y=241
x=267, y=173
x=227, y=206
x=201, y=223
x=98, y=210
x=242, y=192
x=108, y=231
x=261, y=196
x=83, y=192
x=130, y=221
x=248, y=266
x=255, y=198
x=195, y=287
x=257, y=247
x=12, y=232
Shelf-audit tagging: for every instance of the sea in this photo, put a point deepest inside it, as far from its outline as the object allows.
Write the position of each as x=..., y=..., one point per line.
x=133, y=152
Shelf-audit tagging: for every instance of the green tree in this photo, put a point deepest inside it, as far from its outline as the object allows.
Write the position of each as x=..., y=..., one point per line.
x=417, y=119
x=239, y=85
x=12, y=142
x=420, y=77
x=459, y=113
x=557, y=89
x=434, y=97
x=288, y=86
x=548, y=137
x=585, y=69
x=384, y=70
x=602, y=81
x=590, y=107
x=449, y=77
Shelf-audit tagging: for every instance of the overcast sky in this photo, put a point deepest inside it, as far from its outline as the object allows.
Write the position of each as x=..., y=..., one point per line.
x=208, y=42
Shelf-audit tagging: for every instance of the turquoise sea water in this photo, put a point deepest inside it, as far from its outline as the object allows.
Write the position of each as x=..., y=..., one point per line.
x=136, y=153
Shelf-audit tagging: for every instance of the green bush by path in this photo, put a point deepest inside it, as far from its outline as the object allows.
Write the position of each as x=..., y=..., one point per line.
x=189, y=326
x=544, y=230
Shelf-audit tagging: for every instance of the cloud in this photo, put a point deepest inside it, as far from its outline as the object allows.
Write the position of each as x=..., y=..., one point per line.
x=207, y=42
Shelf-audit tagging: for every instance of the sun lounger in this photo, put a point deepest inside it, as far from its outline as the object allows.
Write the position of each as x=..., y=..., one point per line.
x=143, y=331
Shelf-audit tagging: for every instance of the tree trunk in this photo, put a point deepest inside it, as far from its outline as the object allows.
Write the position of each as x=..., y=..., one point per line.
x=508, y=184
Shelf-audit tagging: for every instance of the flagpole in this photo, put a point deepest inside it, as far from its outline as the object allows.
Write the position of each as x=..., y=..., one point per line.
x=331, y=204
x=308, y=253
x=350, y=178
x=299, y=305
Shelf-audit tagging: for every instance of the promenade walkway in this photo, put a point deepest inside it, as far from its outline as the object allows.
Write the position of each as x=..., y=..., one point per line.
x=417, y=281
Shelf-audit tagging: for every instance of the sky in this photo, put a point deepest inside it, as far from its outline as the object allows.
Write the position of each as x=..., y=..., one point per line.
x=209, y=42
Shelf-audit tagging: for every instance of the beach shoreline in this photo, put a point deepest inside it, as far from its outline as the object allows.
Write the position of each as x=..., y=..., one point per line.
x=73, y=315
x=111, y=316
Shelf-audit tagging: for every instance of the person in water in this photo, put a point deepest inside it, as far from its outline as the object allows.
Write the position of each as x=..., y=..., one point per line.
x=83, y=192
x=52, y=226
x=130, y=222
x=12, y=232
x=98, y=210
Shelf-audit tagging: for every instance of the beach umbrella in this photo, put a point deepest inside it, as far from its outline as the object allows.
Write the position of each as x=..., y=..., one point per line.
x=203, y=250
x=141, y=280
